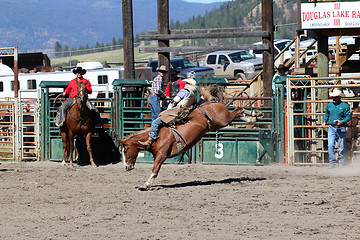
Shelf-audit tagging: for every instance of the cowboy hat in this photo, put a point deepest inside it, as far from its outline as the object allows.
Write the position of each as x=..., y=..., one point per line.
x=190, y=81
x=79, y=70
x=336, y=93
x=162, y=68
x=282, y=66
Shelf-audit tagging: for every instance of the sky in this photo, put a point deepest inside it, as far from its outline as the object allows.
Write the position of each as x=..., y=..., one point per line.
x=207, y=1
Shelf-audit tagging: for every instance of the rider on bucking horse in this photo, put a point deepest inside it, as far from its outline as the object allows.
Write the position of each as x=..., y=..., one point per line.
x=184, y=99
x=72, y=89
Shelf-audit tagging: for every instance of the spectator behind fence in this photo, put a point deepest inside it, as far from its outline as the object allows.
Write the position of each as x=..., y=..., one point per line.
x=156, y=92
x=337, y=113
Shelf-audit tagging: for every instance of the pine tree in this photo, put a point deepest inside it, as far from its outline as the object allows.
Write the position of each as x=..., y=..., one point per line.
x=58, y=49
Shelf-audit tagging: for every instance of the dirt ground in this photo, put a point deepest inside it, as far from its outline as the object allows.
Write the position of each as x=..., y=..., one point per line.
x=43, y=200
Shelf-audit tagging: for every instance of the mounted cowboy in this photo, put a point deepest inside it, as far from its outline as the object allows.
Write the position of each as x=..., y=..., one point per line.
x=72, y=89
x=185, y=99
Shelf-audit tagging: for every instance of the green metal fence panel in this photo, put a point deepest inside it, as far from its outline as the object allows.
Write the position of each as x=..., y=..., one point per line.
x=146, y=157
x=133, y=114
x=216, y=152
x=241, y=142
x=103, y=147
x=235, y=144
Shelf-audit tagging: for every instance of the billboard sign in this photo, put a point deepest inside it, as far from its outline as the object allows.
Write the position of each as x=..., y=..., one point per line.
x=320, y=15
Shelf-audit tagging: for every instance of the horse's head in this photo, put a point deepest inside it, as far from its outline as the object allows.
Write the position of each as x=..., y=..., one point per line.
x=81, y=91
x=129, y=154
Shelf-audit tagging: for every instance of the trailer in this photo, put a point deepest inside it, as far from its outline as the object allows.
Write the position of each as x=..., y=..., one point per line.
x=99, y=77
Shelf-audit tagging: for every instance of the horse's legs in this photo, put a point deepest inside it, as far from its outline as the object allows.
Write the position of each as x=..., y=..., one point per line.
x=223, y=119
x=150, y=180
x=71, y=149
x=65, y=146
x=88, y=147
x=159, y=159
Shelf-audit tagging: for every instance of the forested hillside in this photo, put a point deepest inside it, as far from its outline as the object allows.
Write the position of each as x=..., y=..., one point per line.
x=244, y=13
x=237, y=13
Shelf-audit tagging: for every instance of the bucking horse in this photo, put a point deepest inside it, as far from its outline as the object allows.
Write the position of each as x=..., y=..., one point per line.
x=209, y=116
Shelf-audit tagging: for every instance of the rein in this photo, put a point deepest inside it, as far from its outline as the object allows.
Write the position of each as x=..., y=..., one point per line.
x=60, y=94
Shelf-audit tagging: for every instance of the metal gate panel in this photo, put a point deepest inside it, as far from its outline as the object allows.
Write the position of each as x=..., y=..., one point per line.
x=305, y=111
x=104, y=149
x=7, y=130
x=28, y=132
x=238, y=143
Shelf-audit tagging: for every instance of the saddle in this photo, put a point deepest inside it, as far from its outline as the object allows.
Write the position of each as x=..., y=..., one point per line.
x=175, y=116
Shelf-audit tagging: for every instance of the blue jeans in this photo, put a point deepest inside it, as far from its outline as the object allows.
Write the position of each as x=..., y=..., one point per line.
x=338, y=134
x=155, y=128
x=155, y=108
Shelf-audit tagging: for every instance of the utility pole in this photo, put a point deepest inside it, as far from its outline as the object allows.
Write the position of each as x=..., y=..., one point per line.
x=268, y=56
x=163, y=28
x=128, y=38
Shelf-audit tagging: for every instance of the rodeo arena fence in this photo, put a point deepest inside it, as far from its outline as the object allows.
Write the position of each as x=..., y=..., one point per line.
x=306, y=103
x=289, y=131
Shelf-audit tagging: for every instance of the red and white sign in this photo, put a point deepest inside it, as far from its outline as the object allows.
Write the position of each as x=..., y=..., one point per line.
x=330, y=15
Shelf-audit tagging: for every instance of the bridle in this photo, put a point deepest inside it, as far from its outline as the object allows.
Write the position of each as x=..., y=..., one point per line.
x=81, y=96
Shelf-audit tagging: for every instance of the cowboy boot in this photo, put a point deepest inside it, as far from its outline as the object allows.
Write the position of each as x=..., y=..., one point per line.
x=148, y=142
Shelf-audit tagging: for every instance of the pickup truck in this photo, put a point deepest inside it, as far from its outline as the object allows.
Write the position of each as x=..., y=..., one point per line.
x=234, y=64
x=279, y=45
x=187, y=68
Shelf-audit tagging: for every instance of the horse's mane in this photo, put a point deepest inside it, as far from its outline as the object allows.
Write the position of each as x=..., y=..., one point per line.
x=137, y=133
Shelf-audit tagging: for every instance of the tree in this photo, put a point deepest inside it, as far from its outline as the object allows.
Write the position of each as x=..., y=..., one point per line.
x=97, y=47
x=58, y=49
x=66, y=51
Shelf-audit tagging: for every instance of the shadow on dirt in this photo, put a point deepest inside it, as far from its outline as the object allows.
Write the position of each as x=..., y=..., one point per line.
x=207, y=183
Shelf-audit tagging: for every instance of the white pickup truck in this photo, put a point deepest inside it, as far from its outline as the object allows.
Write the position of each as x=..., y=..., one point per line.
x=234, y=64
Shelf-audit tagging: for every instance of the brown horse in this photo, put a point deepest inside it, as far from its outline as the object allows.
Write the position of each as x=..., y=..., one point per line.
x=352, y=133
x=209, y=116
x=78, y=123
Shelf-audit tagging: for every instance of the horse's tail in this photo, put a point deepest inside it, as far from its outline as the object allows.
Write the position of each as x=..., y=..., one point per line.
x=212, y=92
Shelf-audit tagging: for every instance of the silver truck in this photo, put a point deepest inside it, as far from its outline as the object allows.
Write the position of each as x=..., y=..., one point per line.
x=234, y=64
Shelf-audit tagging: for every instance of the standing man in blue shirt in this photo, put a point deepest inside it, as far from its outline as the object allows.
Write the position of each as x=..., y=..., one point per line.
x=338, y=114
x=157, y=93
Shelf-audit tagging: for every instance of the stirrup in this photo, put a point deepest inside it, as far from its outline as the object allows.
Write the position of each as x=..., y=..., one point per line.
x=59, y=124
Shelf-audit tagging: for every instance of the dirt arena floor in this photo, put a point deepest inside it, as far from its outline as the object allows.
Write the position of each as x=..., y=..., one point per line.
x=43, y=200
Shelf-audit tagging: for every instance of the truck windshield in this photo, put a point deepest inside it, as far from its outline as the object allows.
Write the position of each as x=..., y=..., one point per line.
x=240, y=56
x=282, y=45
x=183, y=63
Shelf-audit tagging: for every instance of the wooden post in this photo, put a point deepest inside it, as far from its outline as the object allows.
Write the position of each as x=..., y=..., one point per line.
x=268, y=56
x=323, y=57
x=163, y=28
x=16, y=72
x=128, y=39
x=323, y=64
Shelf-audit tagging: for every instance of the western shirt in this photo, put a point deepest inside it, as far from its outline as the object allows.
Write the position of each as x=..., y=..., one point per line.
x=340, y=112
x=72, y=87
x=157, y=86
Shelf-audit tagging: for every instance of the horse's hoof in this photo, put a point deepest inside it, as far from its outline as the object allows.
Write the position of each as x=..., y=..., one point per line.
x=71, y=166
x=63, y=163
x=94, y=165
x=144, y=188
